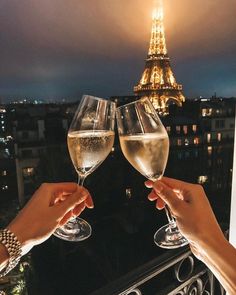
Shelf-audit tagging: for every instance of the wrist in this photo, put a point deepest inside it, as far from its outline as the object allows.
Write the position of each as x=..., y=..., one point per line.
x=4, y=256
x=20, y=234
x=13, y=251
x=211, y=245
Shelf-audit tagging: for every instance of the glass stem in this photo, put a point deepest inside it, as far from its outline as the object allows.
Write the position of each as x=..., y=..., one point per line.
x=81, y=183
x=171, y=220
x=81, y=179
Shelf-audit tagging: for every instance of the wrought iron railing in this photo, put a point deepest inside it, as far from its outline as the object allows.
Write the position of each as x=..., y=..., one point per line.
x=177, y=274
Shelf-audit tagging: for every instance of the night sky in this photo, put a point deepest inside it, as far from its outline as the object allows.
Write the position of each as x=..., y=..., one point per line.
x=64, y=48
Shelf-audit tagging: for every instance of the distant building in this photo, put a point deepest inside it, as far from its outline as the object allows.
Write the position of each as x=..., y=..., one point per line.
x=33, y=148
x=7, y=163
x=39, y=134
x=201, y=135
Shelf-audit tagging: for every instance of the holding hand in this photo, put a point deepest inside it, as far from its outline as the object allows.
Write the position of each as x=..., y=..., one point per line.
x=51, y=206
x=196, y=220
x=191, y=209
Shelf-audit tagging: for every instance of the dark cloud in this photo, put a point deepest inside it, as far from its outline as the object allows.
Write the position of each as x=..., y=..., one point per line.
x=65, y=48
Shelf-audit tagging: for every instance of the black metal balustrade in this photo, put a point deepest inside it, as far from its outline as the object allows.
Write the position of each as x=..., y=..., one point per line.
x=179, y=274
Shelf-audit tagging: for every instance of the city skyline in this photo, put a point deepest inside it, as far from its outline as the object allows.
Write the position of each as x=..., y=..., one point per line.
x=67, y=48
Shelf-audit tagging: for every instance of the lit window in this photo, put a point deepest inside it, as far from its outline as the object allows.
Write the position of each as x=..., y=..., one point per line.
x=27, y=172
x=209, y=150
x=168, y=129
x=202, y=179
x=194, y=128
x=186, y=141
x=4, y=187
x=177, y=128
x=219, y=137
x=185, y=129
x=206, y=112
x=112, y=149
x=196, y=140
x=203, y=112
x=179, y=141
x=208, y=137
x=9, y=137
x=4, y=173
x=128, y=193
x=7, y=152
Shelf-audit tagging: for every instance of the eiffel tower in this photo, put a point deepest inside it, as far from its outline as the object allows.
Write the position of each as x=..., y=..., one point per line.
x=158, y=82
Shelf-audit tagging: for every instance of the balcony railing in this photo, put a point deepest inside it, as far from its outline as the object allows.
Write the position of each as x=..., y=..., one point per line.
x=178, y=273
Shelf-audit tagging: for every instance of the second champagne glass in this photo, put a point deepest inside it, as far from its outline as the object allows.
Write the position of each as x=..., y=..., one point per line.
x=145, y=144
x=90, y=139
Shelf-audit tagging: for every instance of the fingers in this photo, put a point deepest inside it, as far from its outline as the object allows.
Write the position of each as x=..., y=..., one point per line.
x=175, y=184
x=74, y=199
x=169, y=197
x=149, y=183
x=56, y=192
x=89, y=202
x=79, y=209
x=66, y=218
x=62, y=188
x=171, y=182
x=76, y=211
x=152, y=196
x=160, y=204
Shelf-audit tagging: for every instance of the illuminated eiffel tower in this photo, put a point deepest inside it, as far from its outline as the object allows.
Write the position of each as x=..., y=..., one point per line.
x=158, y=82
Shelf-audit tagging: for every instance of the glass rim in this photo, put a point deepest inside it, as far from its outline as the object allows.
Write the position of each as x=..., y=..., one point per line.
x=98, y=98
x=133, y=102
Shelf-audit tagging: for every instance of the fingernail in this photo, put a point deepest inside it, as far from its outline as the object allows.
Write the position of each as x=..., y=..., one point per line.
x=90, y=206
x=148, y=184
x=149, y=197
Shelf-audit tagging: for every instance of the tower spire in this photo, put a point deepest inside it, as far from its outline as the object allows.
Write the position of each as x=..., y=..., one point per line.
x=158, y=82
x=157, y=42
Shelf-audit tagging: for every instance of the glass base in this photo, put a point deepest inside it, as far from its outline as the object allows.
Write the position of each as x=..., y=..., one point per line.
x=75, y=230
x=169, y=238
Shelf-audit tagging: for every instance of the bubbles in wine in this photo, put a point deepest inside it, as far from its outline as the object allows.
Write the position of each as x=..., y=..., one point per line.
x=88, y=149
x=147, y=153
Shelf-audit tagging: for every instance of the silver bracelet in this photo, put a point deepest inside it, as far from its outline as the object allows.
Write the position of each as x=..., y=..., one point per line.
x=13, y=247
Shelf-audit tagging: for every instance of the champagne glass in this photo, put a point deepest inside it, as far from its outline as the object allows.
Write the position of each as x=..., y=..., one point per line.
x=145, y=144
x=90, y=139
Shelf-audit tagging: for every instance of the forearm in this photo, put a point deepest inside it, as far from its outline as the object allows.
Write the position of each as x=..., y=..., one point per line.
x=220, y=257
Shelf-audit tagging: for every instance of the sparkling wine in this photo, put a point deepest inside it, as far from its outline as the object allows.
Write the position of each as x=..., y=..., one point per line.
x=147, y=153
x=88, y=149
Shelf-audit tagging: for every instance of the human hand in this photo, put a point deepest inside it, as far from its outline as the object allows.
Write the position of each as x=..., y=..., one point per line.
x=51, y=206
x=191, y=209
